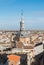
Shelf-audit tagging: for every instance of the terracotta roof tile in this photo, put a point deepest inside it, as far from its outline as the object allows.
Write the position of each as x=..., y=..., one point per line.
x=13, y=58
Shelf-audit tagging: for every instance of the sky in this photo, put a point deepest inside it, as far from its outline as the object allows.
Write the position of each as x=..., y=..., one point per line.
x=10, y=14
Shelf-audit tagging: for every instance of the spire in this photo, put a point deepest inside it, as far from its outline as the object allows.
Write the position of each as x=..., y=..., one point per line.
x=22, y=12
x=22, y=22
x=21, y=15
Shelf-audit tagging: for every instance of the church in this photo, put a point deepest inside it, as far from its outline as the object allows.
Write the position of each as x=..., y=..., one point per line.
x=22, y=38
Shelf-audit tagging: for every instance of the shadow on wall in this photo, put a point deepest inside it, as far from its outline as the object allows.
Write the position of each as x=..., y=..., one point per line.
x=23, y=60
x=39, y=59
x=3, y=59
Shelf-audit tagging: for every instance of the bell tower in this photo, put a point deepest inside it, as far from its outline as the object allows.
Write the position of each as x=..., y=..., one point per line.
x=22, y=27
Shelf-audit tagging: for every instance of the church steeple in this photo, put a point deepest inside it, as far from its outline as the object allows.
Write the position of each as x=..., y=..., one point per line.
x=22, y=22
x=21, y=15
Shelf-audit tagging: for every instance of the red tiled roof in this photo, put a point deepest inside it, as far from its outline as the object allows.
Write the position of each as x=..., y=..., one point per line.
x=13, y=58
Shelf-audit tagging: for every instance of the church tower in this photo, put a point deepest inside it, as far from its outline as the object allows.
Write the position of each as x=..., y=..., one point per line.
x=22, y=27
